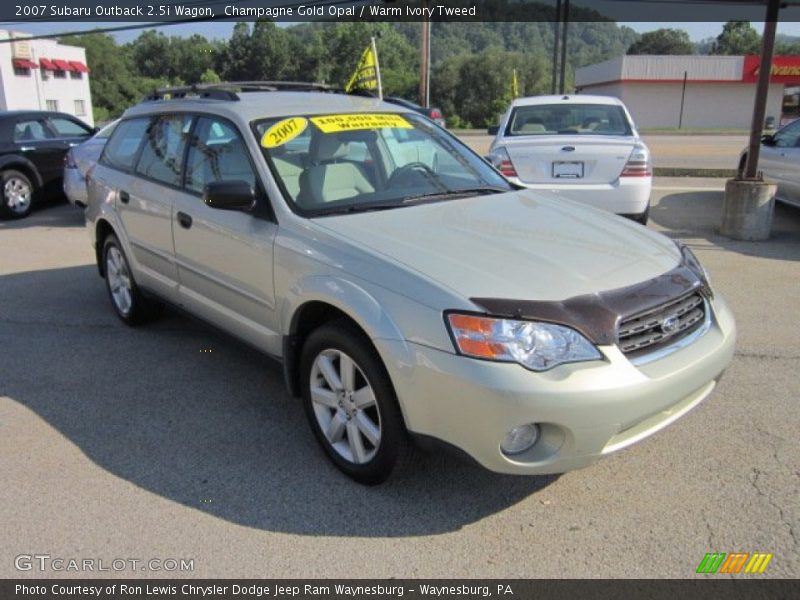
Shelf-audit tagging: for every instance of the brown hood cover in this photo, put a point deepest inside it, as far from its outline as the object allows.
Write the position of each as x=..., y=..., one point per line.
x=597, y=316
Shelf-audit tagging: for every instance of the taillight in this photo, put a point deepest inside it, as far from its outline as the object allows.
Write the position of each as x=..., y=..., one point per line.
x=502, y=162
x=69, y=161
x=638, y=164
x=436, y=113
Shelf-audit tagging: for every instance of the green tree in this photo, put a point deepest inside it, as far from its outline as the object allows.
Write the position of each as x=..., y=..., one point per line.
x=345, y=42
x=210, y=76
x=175, y=59
x=114, y=83
x=737, y=37
x=235, y=55
x=663, y=41
x=474, y=90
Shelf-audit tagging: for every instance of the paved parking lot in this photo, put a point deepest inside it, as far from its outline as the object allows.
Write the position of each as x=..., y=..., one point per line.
x=174, y=441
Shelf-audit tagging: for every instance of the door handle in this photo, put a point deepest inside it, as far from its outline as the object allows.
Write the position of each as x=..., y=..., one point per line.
x=27, y=148
x=185, y=220
x=124, y=197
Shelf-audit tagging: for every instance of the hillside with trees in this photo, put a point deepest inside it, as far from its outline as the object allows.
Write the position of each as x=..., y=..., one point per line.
x=471, y=72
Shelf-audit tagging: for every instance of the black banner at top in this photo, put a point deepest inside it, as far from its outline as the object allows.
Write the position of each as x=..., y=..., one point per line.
x=183, y=11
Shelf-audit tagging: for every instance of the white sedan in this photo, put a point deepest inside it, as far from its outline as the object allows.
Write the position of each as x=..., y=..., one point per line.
x=780, y=161
x=585, y=148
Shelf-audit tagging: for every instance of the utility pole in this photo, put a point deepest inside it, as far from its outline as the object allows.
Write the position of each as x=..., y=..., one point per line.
x=556, y=37
x=563, y=84
x=425, y=58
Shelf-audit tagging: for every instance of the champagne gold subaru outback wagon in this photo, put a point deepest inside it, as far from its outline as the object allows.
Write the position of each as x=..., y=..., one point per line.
x=407, y=287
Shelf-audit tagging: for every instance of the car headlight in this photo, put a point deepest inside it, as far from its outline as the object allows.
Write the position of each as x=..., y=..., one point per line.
x=533, y=344
x=694, y=265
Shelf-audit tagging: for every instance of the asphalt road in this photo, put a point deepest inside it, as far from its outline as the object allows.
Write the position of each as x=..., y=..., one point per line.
x=174, y=441
x=669, y=151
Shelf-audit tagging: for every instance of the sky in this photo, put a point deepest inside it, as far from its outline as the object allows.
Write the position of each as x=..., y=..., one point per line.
x=696, y=31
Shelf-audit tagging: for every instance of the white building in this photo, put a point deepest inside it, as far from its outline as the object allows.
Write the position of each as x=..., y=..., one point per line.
x=44, y=75
x=689, y=91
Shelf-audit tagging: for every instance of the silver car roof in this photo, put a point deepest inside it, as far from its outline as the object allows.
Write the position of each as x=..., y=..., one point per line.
x=264, y=105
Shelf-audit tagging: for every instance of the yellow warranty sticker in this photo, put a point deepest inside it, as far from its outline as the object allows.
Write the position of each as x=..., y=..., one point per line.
x=283, y=131
x=337, y=123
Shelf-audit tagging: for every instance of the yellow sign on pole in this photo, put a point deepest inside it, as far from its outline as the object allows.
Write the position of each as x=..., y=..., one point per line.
x=367, y=75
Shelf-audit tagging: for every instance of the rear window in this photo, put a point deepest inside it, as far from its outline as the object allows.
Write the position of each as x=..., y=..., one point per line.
x=121, y=149
x=69, y=128
x=162, y=155
x=568, y=119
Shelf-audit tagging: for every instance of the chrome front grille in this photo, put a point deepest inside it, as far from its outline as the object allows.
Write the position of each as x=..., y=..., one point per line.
x=647, y=331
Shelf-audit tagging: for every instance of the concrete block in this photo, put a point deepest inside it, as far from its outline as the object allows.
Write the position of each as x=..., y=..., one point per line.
x=747, y=210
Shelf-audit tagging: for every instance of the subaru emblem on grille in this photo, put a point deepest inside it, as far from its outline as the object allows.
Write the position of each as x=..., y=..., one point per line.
x=670, y=324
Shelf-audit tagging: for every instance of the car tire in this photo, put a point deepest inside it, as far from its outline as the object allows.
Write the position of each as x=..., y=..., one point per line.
x=350, y=403
x=17, y=194
x=127, y=300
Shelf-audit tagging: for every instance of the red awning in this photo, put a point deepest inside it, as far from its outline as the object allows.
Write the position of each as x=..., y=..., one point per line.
x=24, y=63
x=47, y=64
x=63, y=65
x=79, y=66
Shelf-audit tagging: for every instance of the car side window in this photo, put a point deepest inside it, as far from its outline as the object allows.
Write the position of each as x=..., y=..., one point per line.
x=164, y=144
x=68, y=128
x=217, y=153
x=31, y=131
x=121, y=150
x=789, y=136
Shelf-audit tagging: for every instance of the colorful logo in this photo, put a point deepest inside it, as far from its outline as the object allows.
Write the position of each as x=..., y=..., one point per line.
x=735, y=562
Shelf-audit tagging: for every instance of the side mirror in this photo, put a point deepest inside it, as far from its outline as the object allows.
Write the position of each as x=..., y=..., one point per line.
x=229, y=195
x=768, y=140
x=493, y=130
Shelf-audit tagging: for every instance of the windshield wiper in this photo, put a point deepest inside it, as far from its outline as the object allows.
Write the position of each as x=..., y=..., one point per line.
x=432, y=196
x=354, y=208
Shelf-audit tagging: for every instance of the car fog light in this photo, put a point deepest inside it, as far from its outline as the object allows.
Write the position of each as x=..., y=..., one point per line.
x=520, y=439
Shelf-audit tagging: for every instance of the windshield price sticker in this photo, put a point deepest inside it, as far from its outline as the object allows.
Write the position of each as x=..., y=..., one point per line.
x=337, y=123
x=283, y=131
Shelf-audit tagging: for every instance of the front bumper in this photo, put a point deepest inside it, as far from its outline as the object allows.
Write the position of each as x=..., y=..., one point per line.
x=625, y=196
x=584, y=410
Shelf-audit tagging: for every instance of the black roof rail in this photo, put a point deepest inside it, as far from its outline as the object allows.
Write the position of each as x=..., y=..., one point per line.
x=230, y=90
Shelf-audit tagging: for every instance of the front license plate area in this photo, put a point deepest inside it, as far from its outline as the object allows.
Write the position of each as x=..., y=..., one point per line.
x=567, y=170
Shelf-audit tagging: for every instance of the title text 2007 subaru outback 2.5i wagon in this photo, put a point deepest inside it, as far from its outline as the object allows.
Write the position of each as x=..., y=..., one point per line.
x=406, y=285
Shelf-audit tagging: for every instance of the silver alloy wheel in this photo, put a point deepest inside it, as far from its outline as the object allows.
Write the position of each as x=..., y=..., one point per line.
x=17, y=193
x=345, y=407
x=119, y=280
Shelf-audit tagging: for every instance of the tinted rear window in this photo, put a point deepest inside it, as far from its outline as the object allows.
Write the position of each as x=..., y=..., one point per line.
x=121, y=149
x=69, y=128
x=568, y=119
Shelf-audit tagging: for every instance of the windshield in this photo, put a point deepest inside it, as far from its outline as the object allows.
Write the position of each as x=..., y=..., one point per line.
x=329, y=164
x=572, y=119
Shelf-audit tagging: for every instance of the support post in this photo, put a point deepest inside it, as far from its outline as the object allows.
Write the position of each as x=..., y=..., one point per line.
x=762, y=89
x=749, y=200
